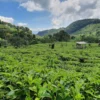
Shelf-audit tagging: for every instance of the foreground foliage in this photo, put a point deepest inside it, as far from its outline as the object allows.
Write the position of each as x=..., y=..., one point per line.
x=39, y=73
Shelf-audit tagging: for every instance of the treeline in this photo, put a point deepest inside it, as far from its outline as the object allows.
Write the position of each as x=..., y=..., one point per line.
x=19, y=36
x=59, y=36
x=91, y=38
x=15, y=35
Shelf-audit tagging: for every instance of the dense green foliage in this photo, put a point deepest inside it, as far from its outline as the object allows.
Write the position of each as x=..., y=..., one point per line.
x=3, y=43
x=39, y=73
x=59, y=36
x=22, y=36
x=92, y=29
x=16, y=35
x=90, y=33
x=85, y=30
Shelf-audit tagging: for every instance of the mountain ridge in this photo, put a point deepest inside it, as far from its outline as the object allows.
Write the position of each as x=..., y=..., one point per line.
x=72, y=28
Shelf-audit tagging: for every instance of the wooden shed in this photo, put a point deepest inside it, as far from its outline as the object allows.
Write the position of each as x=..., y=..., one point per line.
x=81, y=44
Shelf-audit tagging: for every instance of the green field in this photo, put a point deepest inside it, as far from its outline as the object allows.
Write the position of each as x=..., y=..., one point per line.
x=38, y=72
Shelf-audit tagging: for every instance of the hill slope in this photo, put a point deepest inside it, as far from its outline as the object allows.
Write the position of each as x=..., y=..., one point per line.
x=89, y=30
x=72, y=28
x=15, y=35
x=77, y=25
x=10, y=28
x=51, y=31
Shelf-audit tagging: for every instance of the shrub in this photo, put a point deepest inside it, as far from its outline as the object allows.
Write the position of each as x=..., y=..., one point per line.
x=3, y=43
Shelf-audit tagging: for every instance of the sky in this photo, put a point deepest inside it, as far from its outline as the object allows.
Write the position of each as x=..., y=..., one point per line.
x=41, y=15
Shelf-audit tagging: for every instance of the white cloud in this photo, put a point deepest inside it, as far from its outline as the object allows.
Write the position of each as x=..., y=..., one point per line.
x=22, y=24
x=56, y=22
x=7, y=19
x=36, y=30
x=66, y=11
x=31, y=6
x=63, y=13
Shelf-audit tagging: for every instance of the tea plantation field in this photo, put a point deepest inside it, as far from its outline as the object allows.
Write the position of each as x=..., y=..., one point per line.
x=38, y=72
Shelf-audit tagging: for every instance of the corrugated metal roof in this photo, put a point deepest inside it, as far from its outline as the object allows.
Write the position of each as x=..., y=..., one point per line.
x=81, y=42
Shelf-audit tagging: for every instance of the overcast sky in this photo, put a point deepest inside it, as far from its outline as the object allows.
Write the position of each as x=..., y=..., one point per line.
x=46, y=14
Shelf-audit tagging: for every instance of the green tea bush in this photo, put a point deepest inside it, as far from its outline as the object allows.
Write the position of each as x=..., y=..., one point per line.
x=38, y=73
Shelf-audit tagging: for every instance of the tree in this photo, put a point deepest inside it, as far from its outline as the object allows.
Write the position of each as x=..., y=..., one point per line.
x=3, y=43
x=98, y=33
x=61, y=36
x=73, y=37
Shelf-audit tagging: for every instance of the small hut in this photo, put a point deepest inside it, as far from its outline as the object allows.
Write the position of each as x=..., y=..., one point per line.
x=81, y=44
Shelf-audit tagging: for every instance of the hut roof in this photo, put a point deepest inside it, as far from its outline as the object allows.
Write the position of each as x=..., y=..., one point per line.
x=81, y=42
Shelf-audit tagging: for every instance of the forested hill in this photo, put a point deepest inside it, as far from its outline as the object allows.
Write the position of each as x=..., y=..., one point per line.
x=15, y=35
x=77, y=25
x=73, y=27
x=49, y=32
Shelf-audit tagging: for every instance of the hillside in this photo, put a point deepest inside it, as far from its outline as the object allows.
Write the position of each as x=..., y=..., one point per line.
x=15, y=35
x=92, y=29
x=73, y=27
x=51, y=31
x=77, y=25
x=10, y=28
x=90, y=33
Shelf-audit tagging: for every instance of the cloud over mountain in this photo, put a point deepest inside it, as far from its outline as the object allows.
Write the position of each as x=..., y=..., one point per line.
x=65, y=11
